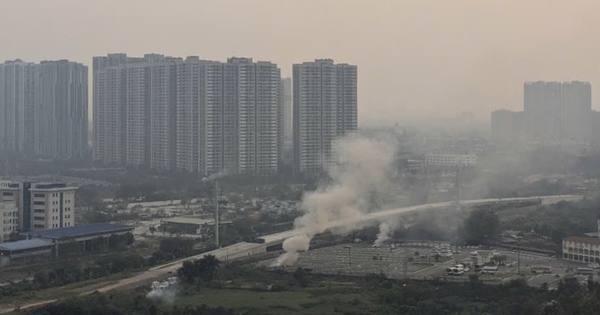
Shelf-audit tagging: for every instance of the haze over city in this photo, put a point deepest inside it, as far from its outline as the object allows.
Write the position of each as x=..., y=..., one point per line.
x=417, y=59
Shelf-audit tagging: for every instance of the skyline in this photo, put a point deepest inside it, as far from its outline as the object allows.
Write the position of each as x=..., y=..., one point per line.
x=417, y=59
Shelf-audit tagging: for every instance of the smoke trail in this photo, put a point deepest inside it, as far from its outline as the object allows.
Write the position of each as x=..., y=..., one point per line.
x=361, y=180
x=164, y=291
x=385, y=231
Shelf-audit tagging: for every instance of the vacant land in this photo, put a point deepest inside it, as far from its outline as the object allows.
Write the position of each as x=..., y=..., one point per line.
x=325, y=300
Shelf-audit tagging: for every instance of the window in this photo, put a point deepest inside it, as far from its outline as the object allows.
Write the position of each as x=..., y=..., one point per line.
x=6, y=193
x=39, y=203
x=39, y=195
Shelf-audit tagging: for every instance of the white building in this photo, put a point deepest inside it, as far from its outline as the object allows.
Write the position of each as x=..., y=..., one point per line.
x=52, y=206
x=324, y=109
x=40, y=205
x=193, y=115
x=450, y=159
x=582, y=249
x=9, y=220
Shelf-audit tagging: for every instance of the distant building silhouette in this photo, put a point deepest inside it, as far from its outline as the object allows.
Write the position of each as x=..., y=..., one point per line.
x=44, y=109
x=553, y=113
x=557, y=112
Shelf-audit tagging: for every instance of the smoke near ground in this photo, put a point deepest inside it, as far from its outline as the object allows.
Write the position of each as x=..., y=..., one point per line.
x=165, y=291
x=361, y=181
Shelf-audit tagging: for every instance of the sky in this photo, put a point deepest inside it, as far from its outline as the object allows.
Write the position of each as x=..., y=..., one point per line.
x=416, y=59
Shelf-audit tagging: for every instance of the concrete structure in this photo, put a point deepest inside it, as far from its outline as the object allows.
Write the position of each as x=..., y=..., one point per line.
x=9, y=220
x=40, y=205
x=324, y=109
x=43, y=109
x=23, y=250
x=582, y=249
x=450, y=159
x=507, y=126
x=79, y=234
x=194, y=115
x=557, y=112
x=286, y=103
x=191, y=225
x=52, y=206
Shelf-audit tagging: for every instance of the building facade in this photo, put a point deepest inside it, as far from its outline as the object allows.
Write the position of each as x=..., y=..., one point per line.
x=582, y=249
x=40, y=205
x=450, y=159
x=324, y=109
x=189, y=115
x=44, y=109
x=507, y=126
x=557, y=112
x=9, y=222
x=52, y=206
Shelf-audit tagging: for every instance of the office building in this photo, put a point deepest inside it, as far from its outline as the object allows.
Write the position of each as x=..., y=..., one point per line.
x=189, y=115
x=324, y=109
x=43, y=109
x=40, y=205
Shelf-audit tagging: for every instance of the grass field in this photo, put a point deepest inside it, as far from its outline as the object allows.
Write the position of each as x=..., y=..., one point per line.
x=326, y=300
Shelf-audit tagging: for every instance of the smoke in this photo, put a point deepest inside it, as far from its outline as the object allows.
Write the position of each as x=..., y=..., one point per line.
x=164, y=291
x=385, y=232
x=361, y=180
x=215, y=176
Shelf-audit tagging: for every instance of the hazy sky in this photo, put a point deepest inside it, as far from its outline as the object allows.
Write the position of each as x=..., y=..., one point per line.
x=415, y=57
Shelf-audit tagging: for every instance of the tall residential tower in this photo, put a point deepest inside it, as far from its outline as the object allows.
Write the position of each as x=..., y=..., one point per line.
x=324, y=109
x=43, y=109
x=191, y=115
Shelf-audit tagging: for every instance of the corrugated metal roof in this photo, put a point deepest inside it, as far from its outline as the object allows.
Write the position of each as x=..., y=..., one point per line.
x=81, y=230
x=27, y=244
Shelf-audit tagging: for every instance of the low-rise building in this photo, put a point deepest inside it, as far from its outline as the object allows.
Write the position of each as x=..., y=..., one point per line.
x=9, y=220
x=451, y=159
x=581, y=248
x=190, y=225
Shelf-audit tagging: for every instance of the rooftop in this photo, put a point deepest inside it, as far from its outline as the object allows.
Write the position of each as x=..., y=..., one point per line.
x=583, y=239
x=27, y=244
x=81, y=230
x=189, y=220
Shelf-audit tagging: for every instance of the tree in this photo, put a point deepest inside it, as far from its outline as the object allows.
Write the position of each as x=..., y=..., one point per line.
x=481, y=225
x=199, y=271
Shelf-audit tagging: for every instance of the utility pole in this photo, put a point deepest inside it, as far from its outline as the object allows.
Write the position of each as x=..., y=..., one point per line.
x=217, y=222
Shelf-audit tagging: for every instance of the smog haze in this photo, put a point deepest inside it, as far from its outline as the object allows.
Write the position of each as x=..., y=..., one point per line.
x=418, y=59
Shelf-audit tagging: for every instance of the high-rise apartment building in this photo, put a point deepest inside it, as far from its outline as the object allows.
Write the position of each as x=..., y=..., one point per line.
x=286, y=103
x=43, y=109
x=507, y=126
x=557, y=112
x=324, y=109
x=193, y=115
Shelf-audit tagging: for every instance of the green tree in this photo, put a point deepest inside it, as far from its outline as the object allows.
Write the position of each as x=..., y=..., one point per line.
x=480, y=225
x=199, y=271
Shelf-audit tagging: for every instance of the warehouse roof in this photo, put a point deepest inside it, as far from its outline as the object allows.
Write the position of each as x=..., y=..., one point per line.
x=23, y=245
x=81, y=230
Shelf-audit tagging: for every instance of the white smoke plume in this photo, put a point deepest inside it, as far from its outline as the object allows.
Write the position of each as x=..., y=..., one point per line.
x=361, y=181
x=165, y=291
x=386, y=229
